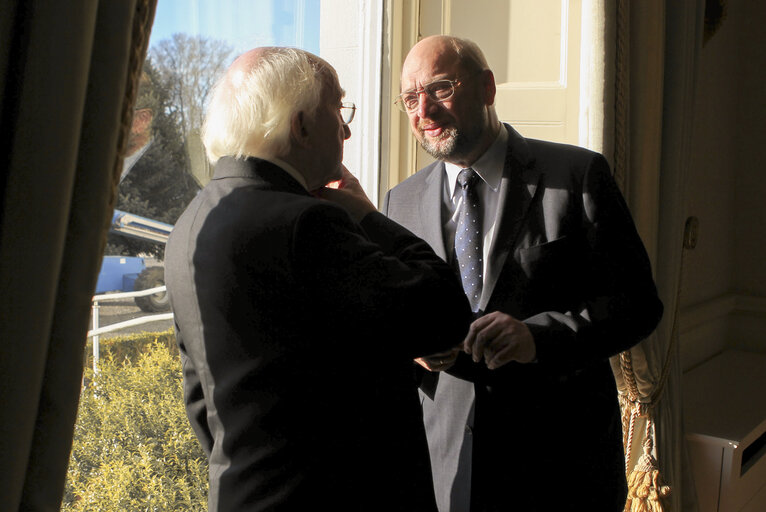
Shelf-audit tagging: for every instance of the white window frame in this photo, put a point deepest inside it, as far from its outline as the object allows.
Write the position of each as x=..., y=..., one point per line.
x=351, y=40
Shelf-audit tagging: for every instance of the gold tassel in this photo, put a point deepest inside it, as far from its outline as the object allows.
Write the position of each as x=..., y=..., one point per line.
x=646, y=493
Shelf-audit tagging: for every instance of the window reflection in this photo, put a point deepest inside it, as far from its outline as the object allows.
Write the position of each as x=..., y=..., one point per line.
x=192, y=43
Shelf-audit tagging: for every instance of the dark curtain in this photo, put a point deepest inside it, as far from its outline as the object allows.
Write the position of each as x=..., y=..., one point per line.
x=656, y=55
x=69, y=74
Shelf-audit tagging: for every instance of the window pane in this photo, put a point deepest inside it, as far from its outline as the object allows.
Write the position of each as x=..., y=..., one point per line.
x=192, y=43
x=133, y=443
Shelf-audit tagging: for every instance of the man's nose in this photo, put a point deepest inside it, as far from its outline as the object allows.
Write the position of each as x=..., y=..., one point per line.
x=424, y=104
x=346, y=132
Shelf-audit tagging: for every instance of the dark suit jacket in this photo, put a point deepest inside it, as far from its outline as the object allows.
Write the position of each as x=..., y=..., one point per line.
x=569, y=263
x=297, y=329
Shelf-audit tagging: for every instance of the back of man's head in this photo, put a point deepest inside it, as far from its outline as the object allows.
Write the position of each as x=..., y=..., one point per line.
x=252, y=104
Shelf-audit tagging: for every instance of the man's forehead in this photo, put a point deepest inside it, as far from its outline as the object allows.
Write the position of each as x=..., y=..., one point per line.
x=330, y=83
x=423, y=67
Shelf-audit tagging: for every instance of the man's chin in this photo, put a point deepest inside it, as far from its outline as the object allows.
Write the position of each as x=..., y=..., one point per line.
x=441, y=146
x=441, y=150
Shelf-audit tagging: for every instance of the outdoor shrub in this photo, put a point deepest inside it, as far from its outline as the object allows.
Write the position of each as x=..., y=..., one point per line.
x=131, y=346
x=133, y=446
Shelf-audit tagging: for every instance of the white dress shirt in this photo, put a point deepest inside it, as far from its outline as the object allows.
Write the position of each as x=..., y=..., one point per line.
x=130, y=161
x=489, y=167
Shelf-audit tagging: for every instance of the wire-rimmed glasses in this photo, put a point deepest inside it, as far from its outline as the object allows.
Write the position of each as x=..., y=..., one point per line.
x=347, y=111
x=438, y=91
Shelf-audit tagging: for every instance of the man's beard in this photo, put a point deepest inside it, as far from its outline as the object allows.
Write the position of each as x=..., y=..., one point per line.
x=452, y=143
x=444, y=147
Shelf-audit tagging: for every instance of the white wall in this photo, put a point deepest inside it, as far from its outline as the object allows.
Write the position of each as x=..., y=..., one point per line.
x=724, y=287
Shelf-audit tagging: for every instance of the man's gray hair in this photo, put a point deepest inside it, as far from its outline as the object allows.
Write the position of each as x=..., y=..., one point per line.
x=250, y=109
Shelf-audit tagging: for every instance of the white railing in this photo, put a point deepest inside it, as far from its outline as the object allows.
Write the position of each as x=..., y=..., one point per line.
x=97, y=329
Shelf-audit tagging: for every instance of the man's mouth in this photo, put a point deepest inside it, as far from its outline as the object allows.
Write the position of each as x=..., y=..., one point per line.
x=432, y=129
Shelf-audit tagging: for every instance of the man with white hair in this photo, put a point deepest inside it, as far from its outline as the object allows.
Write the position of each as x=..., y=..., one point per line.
x=297, y=319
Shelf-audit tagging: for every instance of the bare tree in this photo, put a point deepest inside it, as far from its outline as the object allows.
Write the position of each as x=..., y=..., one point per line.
x=188, y=67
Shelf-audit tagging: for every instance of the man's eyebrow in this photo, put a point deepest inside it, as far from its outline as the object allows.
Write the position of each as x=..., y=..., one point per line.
x=440, y=79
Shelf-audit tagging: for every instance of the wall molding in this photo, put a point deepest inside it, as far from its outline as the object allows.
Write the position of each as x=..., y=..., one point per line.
x=718, y=308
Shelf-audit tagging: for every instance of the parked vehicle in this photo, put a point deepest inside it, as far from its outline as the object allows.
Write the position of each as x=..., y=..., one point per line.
x=131, y=273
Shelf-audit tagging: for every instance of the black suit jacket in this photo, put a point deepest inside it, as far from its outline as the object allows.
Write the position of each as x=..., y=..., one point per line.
x=568, y=262
x=297, y=329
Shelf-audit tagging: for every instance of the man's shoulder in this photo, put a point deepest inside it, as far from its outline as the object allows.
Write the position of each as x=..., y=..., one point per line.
x=565, y=166
x=545, y=150
x=529, y=151
x=420, y=179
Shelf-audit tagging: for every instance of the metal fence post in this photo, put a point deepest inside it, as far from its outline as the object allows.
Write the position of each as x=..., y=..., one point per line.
x=95, y=309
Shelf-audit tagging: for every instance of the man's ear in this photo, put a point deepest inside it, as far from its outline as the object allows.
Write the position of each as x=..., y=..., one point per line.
x=489, y=87
x=298, y=129
x=142, y=120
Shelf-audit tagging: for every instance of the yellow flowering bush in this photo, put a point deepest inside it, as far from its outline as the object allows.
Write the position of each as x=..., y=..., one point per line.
x=133, y=446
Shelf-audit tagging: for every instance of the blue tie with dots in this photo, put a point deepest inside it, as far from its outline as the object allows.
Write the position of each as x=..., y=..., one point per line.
x=469, y=238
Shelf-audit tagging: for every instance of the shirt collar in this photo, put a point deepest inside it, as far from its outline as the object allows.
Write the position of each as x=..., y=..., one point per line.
x=489, y=165
x=131, y=160
x=289, y=169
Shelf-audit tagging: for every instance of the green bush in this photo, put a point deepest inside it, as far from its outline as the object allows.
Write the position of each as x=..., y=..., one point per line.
x=133, y=446
x=131, y=346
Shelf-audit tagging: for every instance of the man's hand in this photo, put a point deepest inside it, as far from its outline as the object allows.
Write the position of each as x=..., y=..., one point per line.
x=439, y=362
x=349, y=194
x=499, y=339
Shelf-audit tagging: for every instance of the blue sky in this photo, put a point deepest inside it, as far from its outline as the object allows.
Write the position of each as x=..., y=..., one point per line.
x=243, y=24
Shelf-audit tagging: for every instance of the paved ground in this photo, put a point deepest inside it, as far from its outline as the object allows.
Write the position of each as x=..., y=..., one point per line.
x=113, y=311
x=119, y=310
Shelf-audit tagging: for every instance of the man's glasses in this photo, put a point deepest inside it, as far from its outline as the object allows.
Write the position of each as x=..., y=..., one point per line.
x=347, y=111
x=438, y=91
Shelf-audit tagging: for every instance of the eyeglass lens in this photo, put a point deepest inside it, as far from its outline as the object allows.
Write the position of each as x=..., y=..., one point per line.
x=437, y=91
x=347, y=111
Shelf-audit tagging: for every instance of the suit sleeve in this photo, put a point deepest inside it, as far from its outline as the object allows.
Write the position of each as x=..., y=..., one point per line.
x=619, y=305
x=194, y=398
x=382, y=280
x=587, y=295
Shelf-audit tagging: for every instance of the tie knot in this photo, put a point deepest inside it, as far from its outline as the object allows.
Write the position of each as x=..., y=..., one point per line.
x=467, y=177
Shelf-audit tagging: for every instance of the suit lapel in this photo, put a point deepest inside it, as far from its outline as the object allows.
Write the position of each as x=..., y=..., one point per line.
x=431, y=210
x=517, y=189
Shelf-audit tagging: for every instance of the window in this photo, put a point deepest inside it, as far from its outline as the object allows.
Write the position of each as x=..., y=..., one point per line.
x=191, y=45
x=132, y=442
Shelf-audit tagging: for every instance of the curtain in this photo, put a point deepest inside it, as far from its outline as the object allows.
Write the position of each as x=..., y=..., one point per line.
x=684, y=36
x=597, y=78
x=69, y=75
x=641, y=119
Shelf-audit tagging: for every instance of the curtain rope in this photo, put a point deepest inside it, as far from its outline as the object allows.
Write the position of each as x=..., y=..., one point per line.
x=626, y=361
x=646, y=489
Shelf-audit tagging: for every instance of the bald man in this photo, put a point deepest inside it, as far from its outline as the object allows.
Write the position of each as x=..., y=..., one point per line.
x=526, y=416
x=298, y=309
